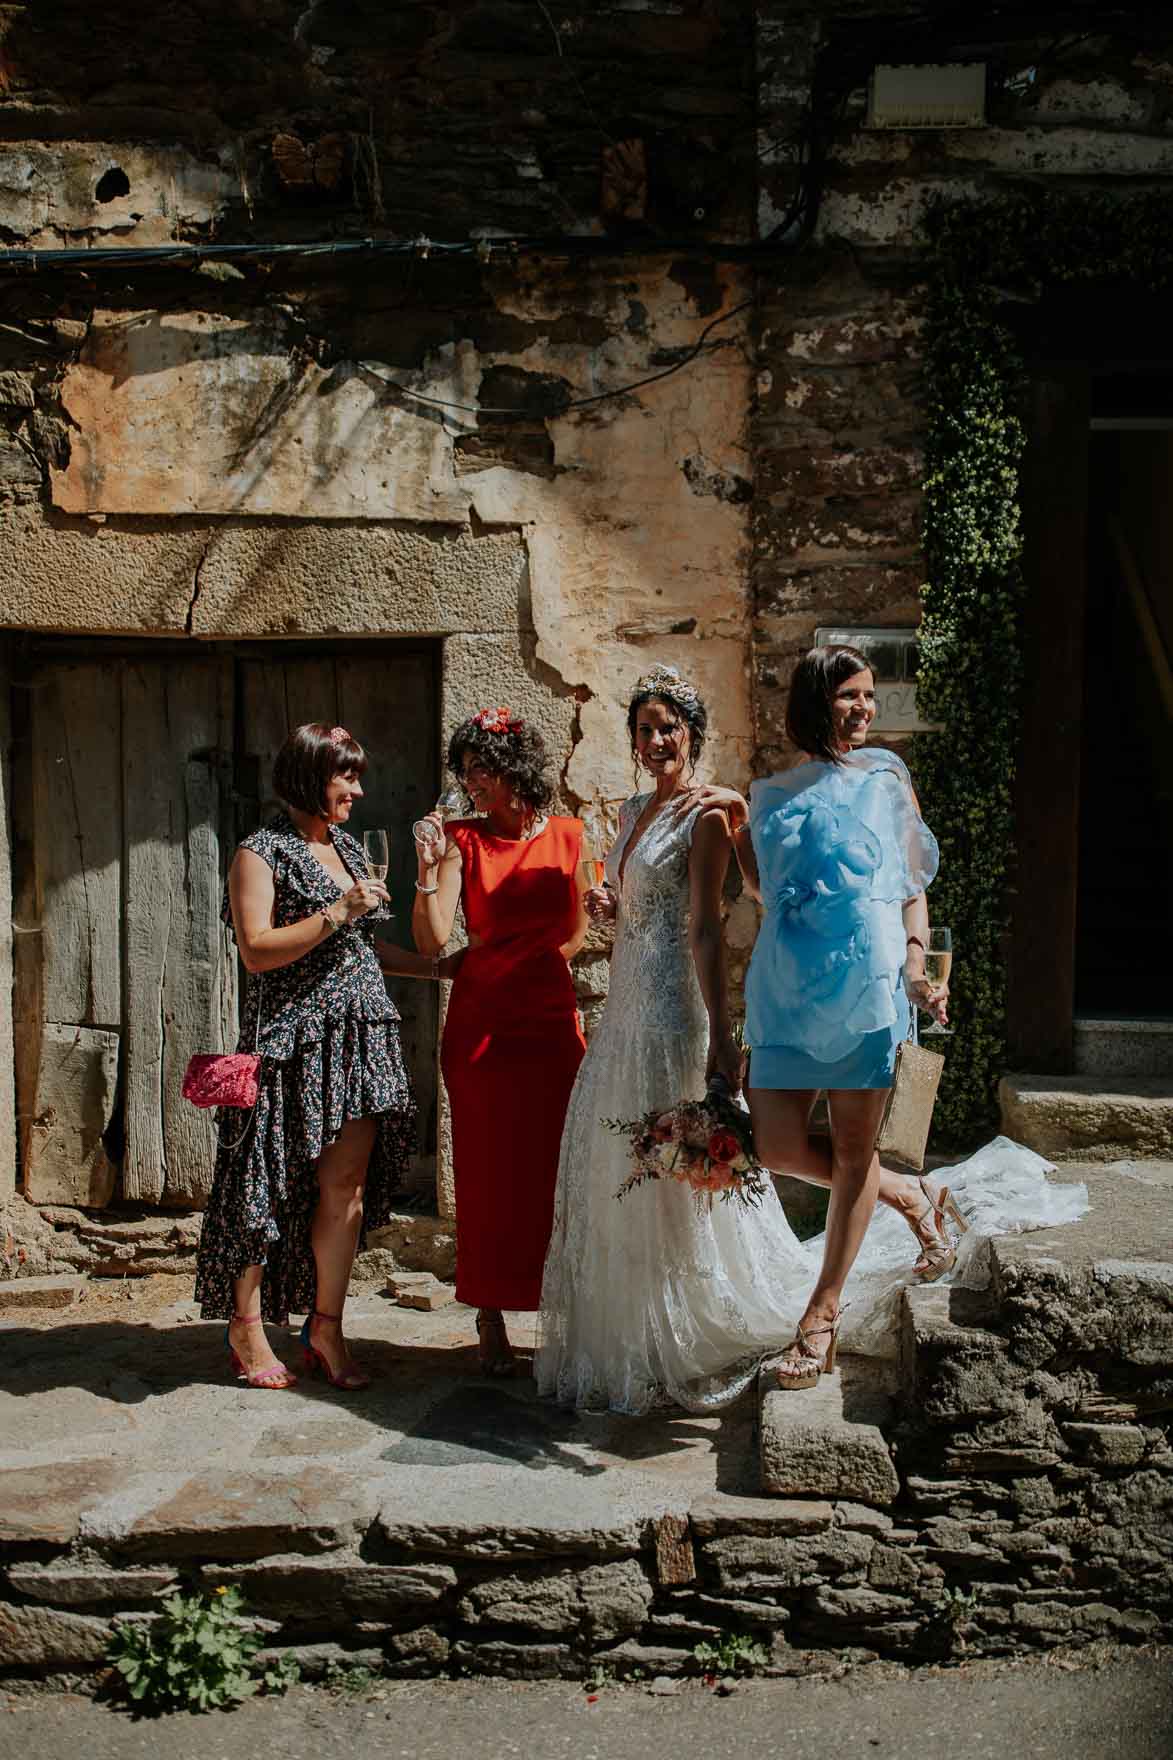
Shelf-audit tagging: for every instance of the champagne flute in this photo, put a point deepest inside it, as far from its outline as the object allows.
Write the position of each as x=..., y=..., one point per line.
x=592, y=857
x=938, y=965
x=376, y=847
x=426, y=831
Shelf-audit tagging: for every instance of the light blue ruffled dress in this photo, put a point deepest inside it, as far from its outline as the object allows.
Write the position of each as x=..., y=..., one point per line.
x=840, y=849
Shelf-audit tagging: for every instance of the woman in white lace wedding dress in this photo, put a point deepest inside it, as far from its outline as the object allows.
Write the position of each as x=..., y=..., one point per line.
x=649, y=1300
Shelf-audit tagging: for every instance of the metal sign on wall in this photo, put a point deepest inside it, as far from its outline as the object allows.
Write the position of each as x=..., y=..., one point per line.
x=892, y=654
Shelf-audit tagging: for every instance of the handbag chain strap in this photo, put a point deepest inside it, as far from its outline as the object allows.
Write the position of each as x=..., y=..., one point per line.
x=252, y=1111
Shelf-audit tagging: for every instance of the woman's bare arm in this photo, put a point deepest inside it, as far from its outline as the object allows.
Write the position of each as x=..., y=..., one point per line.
x=264, y=948
x=747, y=861
x=434, y=913
x=707, y=866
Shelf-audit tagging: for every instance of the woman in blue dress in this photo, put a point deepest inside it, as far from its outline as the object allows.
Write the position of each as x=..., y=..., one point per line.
x=837, y=852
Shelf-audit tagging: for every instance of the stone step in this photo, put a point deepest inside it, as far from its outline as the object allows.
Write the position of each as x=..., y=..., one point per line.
x=946, y=1336
x=826, y=1441
x=1083, y=1118
x=1110, y=1049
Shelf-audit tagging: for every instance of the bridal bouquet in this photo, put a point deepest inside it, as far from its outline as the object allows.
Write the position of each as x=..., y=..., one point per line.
x=706, y=1145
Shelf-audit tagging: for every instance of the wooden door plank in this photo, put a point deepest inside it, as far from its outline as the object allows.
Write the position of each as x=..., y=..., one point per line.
x=77, y=1081
x=69, y=984
x=174, y=731
x=1041, y=972
x=77, y=808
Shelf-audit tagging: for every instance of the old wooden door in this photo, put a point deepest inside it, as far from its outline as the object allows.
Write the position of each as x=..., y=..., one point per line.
x=122, y=970
x=136, y=770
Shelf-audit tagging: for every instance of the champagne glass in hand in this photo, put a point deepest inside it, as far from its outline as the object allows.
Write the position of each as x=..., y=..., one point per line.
x=376, y=846
x=426, y=831
x=938, y=965
x=377, y=849
x=592, y=866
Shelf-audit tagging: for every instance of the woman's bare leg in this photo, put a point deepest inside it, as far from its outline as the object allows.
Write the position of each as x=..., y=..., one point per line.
x=781, y=1119
x=249, y=1342
x=342, y=1174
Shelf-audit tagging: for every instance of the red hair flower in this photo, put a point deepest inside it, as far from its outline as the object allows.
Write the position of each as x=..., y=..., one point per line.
x=499, y=720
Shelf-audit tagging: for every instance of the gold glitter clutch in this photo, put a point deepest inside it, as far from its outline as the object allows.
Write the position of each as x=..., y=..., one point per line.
x=904, y=1128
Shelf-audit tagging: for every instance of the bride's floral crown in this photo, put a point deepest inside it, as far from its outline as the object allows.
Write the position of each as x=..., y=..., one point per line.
x=666, y=681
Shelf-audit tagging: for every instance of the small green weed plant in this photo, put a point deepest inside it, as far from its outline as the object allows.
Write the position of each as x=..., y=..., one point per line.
x=733, y=1653
x=199, y=1655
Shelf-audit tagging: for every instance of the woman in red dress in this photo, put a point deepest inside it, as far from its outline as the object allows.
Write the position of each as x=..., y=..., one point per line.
x=512, y=1041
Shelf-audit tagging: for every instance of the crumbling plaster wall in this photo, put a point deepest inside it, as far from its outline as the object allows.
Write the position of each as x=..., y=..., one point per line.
x=837, y=427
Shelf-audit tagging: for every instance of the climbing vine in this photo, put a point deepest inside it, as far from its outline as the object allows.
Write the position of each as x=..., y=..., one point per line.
x=970, y=657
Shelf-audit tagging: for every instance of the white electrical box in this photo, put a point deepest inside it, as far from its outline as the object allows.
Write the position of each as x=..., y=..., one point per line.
x=953, y=96
x=892, y=655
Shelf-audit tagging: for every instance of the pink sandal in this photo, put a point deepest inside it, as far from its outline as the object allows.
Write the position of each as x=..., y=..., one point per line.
x=351, y=1380
x=276, y=1378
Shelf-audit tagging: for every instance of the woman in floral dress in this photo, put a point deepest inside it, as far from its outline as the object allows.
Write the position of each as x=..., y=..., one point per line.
x=324, y=1149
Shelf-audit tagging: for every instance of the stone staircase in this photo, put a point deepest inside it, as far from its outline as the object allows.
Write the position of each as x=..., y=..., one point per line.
x=1117, y=1105
x=1017, y=1452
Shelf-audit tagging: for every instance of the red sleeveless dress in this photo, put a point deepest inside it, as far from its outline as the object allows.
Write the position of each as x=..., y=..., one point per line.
x=511, y=1050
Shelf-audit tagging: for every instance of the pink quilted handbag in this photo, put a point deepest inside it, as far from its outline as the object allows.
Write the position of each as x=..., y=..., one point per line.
x=222, y=1078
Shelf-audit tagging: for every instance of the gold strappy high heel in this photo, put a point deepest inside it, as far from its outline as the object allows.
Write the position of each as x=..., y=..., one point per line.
x=809, y=1364
x=937, y=1259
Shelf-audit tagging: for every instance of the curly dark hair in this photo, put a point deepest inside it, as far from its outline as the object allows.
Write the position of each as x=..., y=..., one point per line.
x=688, y=704
x=813, y=683
x=517, y=752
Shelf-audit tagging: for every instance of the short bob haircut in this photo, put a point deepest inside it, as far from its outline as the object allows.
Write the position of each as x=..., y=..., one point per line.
x=813, y=684
x=309, y=761
x=689, y=705
x=517, y=752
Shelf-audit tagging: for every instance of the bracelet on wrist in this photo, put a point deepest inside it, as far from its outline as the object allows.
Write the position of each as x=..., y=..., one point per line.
x=427, y=890
x=915, y=941
x=330, y=922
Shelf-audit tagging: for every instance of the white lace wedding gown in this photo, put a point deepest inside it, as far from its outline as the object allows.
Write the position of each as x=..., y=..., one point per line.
x=648, y=1300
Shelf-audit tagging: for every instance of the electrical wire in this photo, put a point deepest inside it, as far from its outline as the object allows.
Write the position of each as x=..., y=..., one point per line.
x=563, y=406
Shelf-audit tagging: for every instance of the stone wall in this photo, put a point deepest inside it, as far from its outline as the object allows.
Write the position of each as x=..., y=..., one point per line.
x=837, y=422
x=1020, y=1498
x=233, y=454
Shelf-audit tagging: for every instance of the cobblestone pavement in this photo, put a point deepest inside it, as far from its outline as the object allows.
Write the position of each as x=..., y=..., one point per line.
x=1117, y=1704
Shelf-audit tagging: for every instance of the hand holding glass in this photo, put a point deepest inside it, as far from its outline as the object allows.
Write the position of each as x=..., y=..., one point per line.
x=426, y=831
x=938, y=965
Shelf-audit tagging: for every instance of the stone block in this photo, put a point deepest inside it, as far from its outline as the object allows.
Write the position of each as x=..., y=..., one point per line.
x=471, y=1521
x=40, y=1292
x=603, y=1602
x=419, y=1290
x=855, y=1606
x=890, y=1568
x=649, y=1659
x=1107, y=1445
x=230, y=1515
x=80, y=1585
x=1077, y=1118
x=316, y=1661
x=518, y=1662
x=44, y=1504
x=42, y=1637
x=718, y=1515
x=423, y=1651
x=746, y=1566
x=811, y=1448
x=291, y=1585
x=863, y=1520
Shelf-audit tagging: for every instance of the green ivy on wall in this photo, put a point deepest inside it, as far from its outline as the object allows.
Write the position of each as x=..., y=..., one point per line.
x=970, y=663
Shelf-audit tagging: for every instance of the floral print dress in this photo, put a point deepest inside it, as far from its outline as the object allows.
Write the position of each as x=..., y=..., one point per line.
x=330, y=1051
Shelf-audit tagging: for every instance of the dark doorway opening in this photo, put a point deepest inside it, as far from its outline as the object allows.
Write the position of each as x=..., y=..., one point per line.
x=1123, y=942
